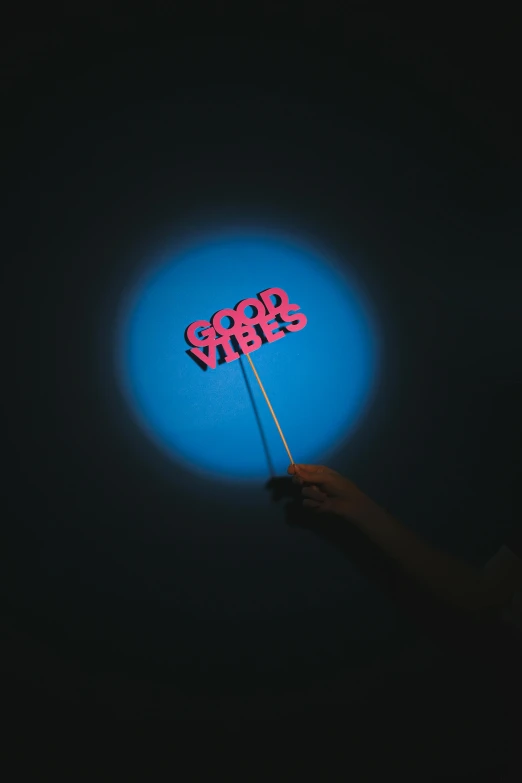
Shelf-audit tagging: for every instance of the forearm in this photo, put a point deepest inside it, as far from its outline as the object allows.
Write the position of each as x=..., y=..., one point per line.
x=447, y=577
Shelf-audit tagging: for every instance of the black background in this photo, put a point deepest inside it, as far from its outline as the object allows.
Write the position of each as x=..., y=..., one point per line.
x=129, y=587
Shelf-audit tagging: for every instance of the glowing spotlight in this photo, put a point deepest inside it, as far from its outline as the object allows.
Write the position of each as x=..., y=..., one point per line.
x=217, y=422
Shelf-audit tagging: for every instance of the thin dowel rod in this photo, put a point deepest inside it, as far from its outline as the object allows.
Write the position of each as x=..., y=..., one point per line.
x=271, y=409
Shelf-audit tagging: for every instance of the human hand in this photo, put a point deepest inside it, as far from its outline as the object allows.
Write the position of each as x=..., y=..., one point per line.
x=325, y=490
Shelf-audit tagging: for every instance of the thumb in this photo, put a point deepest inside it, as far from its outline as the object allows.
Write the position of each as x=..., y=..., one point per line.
x=314, y=474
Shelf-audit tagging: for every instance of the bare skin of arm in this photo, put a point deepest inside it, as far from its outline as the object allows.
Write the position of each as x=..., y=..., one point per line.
x=453, y=580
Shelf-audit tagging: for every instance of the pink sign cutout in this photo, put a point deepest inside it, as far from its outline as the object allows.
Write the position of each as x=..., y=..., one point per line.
x=270, y=322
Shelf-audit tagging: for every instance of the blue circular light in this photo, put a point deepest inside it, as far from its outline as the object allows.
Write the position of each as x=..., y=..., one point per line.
x=216, y=422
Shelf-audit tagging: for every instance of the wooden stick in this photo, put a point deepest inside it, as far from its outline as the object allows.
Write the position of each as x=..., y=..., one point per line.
x=271, y=409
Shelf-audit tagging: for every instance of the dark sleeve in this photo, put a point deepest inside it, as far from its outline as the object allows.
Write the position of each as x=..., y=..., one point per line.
x=514, y=540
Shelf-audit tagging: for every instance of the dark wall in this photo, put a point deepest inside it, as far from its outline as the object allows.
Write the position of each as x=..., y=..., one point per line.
x=394, y=142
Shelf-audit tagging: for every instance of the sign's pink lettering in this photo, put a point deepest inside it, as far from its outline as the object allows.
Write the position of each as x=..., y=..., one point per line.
x=242, y=333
